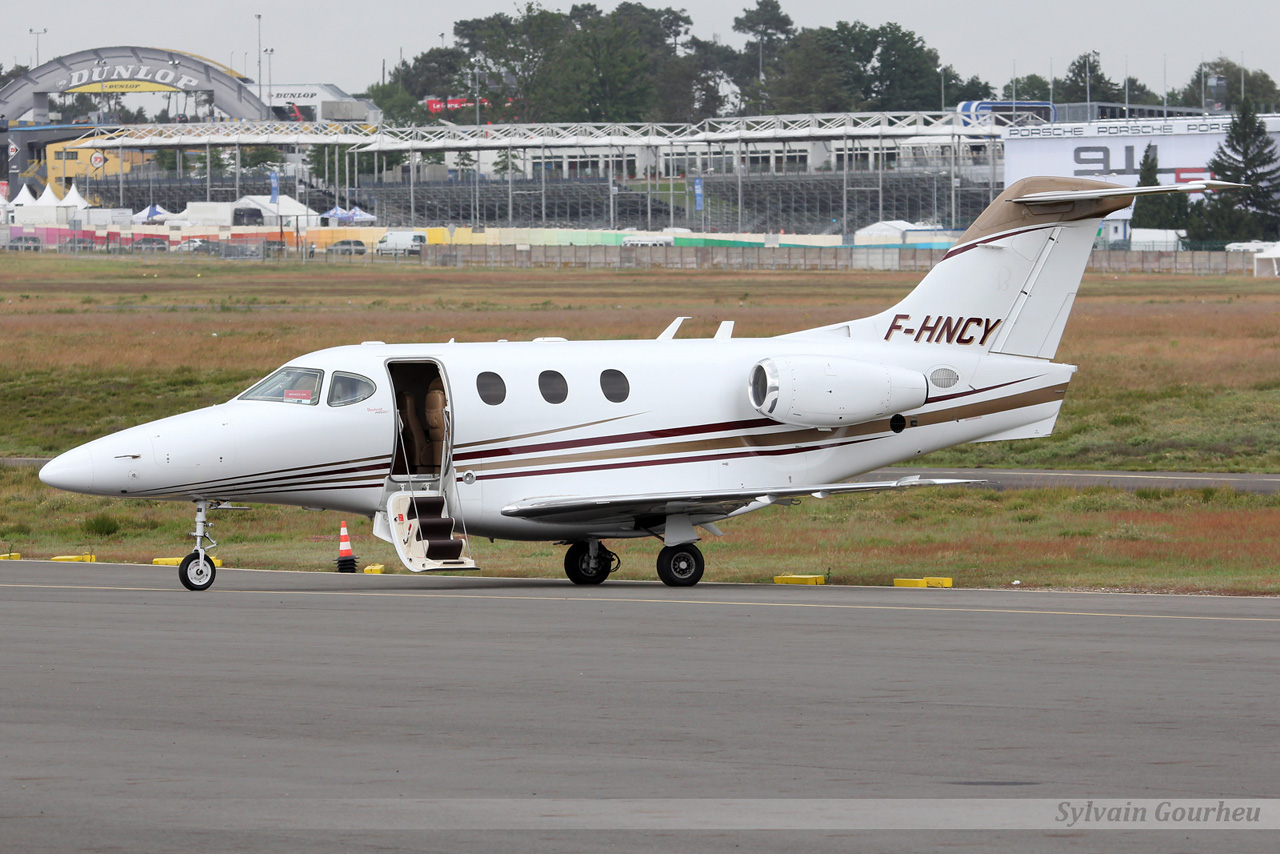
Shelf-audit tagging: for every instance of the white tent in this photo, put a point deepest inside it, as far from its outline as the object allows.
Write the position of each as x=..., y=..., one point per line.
x=1267, y=263
x=153, y=213
x=286, y=211
x=358, y=216
x=334, y=212
x=24, y=197
x=49, y=198
x=73, y=198
x=887, y=232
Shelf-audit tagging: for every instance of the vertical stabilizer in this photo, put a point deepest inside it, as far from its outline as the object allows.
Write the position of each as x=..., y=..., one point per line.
x=1008, y=285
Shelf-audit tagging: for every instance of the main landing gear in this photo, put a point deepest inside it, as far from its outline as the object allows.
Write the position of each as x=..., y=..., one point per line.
x=680, y=566
x=590, y=563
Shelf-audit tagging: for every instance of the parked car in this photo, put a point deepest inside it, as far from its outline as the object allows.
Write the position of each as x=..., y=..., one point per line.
x=402, y=243
x=25, y=243
x=274, y=248
x=78, y=244
x=195, y=244
x=150, y=244
x=346, y=247
x=241, y=250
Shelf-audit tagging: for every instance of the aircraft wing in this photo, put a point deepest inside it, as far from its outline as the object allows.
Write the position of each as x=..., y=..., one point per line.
x=711, y=504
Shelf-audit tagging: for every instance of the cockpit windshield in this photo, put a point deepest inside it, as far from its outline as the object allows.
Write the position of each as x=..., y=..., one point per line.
x=289, y=385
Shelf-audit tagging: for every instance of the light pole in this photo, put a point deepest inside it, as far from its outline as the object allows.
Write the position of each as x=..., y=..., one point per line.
x=259, y=17
x=1093, y=56
x=38, y=33
x=270, y=52
x=760, y=45
x=442, y=41
x=475, y=210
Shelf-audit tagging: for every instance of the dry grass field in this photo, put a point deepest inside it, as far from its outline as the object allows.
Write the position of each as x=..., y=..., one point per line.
x=1175, y=373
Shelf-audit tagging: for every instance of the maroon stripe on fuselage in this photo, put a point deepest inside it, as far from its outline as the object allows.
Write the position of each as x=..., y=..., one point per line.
x=257, y=482
x=617, y=438
x=974, y=391
x=773, y=452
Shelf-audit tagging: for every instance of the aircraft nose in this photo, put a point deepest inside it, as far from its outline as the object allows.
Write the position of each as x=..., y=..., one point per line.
x=72, y=471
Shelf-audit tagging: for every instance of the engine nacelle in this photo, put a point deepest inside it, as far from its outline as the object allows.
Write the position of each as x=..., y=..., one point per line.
x=831, y=391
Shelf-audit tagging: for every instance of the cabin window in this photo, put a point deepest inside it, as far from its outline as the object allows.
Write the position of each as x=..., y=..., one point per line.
x=491, y=388
x=615, y=386
x=349, y=388
x=289, y=385
x=553, y=386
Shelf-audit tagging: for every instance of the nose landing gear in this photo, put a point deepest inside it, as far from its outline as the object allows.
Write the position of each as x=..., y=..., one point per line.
x=197, y=569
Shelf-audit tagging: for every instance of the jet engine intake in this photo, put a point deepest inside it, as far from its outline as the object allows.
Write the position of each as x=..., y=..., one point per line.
x=832, y=391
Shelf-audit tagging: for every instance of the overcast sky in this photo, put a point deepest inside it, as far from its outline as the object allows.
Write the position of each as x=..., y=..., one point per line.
x=346, y=42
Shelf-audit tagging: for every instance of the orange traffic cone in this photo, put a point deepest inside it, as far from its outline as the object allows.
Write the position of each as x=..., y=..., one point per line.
x=346, y=558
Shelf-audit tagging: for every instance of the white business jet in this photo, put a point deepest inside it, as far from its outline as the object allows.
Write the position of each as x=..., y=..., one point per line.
x=581, y=442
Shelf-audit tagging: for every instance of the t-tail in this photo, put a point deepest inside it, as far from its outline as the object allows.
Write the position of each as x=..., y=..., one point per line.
x=1009, y=283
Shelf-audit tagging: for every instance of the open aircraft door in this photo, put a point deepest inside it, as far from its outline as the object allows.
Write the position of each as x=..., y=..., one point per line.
x=420, y=507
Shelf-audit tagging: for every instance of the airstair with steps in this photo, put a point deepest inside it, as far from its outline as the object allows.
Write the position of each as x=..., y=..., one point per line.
x=423, y=532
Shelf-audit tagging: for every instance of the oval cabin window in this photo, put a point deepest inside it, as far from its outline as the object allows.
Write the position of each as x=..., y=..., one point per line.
x=615, y=386
x=491, y=388
x=553, y=386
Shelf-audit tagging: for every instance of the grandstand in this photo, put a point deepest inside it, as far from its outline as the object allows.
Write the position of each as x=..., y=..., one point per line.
x=816, y=174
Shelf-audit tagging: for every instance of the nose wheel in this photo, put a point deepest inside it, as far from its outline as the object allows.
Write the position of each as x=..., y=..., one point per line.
x=196, y=571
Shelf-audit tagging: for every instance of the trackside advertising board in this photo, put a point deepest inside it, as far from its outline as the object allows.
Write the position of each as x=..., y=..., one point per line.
x=1112, y=151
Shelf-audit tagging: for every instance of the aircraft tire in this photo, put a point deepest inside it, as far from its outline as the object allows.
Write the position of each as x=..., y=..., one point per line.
x=194, y=574
x=577, y=564
x=680, y=566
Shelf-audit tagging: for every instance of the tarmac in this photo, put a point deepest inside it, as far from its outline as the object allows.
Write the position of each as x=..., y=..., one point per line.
x=283, y=711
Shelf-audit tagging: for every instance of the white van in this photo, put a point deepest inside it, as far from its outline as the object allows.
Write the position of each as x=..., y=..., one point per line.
x=401, y=243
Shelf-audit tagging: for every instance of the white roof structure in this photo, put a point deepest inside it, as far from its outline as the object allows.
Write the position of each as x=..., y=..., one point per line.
x=24, y=197
x=1267, y=263
x=154, y=212
x=918, y=126
x=887, y=228
x=48, y=198
x=286, y=210
x=73, y=198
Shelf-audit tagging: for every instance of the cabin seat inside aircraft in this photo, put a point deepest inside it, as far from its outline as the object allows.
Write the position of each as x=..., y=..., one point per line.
x=415, y=438
x=435, y=418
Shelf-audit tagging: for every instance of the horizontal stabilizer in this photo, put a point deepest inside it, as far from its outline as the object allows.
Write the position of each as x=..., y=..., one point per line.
x=712, y=503
x=1053, y=197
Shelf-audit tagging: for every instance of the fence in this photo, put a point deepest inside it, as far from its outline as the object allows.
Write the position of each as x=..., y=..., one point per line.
x=833, y=258
x=267, y=248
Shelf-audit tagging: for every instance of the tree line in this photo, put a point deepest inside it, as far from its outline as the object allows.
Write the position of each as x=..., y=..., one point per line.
x=642, y=64
x=1247, y=156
